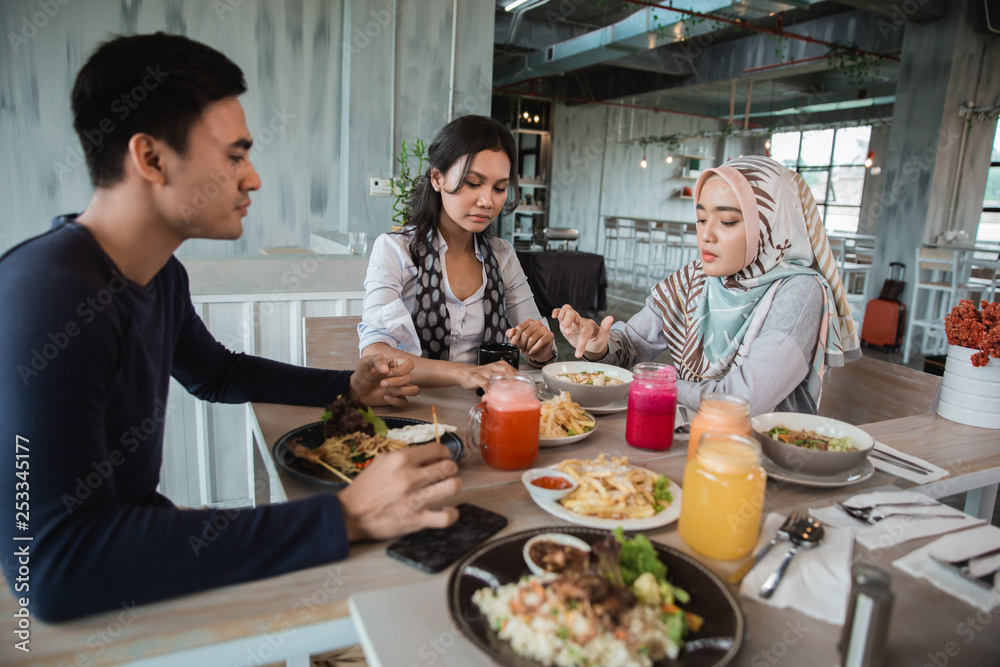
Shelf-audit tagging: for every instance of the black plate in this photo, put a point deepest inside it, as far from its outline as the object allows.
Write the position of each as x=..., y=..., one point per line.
x=501, y=562
x=312, y=437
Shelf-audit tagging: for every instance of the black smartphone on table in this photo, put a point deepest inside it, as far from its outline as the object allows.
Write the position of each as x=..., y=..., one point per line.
x=434, y=549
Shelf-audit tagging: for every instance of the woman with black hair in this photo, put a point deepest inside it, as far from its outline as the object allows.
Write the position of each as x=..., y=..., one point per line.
x=443, y=285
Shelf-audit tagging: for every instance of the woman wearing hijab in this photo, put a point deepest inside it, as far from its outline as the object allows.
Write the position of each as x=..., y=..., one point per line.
x=443, y=285
x=761, y=313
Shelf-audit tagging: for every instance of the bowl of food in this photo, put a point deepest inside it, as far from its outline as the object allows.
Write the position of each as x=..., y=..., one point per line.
x=592, y=385
x=553, y=553
x=811, y=444
x=548, y=484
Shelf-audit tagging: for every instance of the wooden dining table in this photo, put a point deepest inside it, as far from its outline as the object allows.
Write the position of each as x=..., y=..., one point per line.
x=286, y=618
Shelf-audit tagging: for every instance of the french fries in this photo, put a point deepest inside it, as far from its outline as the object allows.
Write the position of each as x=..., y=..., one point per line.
x=562, y=417
x=610, y=488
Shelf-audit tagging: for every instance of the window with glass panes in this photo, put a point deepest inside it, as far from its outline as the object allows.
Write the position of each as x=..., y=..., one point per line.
x=989, y=221
x=832, y=162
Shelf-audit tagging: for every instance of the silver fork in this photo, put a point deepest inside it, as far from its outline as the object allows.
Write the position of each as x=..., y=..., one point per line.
x=780, y=534
x=685, y=415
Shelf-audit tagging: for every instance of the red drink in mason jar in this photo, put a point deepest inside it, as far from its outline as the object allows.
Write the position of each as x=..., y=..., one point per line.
x=509, y=416
x=652, y=405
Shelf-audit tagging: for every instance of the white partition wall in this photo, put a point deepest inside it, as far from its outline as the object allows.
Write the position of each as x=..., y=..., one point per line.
x=208, y=456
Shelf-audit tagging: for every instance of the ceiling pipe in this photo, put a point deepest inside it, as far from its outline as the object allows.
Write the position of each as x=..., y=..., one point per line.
x=740, y=23
x=800, y=61
x=565, y=98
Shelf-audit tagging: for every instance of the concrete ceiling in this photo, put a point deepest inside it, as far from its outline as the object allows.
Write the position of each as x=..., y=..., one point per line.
x=635, y=52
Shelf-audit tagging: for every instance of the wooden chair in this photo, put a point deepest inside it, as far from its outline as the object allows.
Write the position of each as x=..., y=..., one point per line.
x=331, y=342
x=870, y=390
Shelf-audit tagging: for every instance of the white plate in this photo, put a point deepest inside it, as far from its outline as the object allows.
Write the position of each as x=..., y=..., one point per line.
x=611, y=408
x=569, y=439
x=858, y=473
x=665, y=517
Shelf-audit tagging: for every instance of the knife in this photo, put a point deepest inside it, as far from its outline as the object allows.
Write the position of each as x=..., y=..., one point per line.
x=906, y=465
x=897, y=457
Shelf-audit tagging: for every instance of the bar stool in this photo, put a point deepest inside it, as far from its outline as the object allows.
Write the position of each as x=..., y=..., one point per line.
x=612, y=239
x=624, y=242
x=641, y=249
x=945, y=285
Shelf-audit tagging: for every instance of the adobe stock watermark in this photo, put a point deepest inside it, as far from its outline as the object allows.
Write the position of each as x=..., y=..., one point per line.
x=103, y=470
x=30, y=25
x=101, y=640
x=265, y=651
x=204, y=195
x=122, y=106
x=60, y=339
x=372, y=26
x=289, y=282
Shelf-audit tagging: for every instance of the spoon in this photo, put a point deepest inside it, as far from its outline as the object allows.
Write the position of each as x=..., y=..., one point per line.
x=806, y=534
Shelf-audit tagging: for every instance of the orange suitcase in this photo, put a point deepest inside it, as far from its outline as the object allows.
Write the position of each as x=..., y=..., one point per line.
x=884, y=324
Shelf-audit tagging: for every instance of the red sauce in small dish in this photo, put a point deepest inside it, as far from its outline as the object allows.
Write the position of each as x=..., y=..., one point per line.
x=551, y=482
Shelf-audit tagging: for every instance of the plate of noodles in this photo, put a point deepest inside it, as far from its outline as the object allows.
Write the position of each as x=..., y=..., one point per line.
x=339, y=452
x=613, y=493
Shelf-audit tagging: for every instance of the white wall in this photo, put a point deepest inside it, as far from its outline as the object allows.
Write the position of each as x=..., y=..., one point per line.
x=596, y=173
x=334, y=85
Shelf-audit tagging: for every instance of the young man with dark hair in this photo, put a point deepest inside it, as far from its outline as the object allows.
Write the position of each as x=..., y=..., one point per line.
x=97, y=316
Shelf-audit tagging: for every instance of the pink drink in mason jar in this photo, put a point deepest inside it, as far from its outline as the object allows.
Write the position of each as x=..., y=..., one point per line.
x=652, y=404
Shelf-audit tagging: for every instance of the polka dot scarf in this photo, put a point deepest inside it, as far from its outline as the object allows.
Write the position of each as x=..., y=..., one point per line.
x=430, y=314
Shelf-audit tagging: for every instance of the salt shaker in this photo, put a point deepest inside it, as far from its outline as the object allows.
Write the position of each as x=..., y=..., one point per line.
x=862, y=642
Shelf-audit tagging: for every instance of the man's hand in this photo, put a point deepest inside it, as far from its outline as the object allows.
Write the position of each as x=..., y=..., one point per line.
x=382, y=380
x=533, y=338
x=394, y=495
x=583, y=334
x=477, y=377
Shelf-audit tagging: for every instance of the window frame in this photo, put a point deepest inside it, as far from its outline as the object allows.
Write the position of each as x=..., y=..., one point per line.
x=828, y=168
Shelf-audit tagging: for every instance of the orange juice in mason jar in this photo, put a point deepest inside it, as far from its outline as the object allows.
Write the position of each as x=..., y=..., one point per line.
x=723, y=496
x=719, y=413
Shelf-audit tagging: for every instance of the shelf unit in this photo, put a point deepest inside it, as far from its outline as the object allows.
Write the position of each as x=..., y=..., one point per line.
x=686, y=159
x=528, y=221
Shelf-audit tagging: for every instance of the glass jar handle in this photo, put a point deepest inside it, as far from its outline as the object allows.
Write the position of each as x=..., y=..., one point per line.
x=474, y=425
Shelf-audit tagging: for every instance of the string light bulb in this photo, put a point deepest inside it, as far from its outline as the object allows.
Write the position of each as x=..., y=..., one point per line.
x=670, y=159
x=643, y=163
x=767, y=144
x=536, y=118
x=870, y=160
x=526, y=115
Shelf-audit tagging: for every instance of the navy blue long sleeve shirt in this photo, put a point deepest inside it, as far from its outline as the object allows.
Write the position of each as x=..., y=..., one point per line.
x=85, y=362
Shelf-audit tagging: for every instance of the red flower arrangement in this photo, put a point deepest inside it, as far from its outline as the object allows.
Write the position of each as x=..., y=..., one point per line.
x=975, y=329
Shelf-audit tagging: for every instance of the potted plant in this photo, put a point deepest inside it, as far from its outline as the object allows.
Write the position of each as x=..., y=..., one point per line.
x=970, y=389
x=403, y=186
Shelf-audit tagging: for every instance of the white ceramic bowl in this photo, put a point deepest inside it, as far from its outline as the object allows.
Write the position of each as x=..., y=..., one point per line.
x=588, y=396
x=558, y=538
x=811, y=461
x=528, y=476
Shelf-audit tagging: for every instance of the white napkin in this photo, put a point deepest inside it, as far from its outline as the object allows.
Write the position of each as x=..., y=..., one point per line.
x=956, y=546
x=894, y=530
x=892, y=469
x=818, y=580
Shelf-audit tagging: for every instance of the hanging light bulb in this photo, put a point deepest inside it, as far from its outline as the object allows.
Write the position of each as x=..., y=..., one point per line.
x=875, y=171
x=527, y=115
x=670, y=159
x=643, y=163
x=536, y=118
x=767, y=144
x=870, y=160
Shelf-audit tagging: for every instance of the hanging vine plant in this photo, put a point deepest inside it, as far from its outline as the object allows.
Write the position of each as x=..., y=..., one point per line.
x=857, y=66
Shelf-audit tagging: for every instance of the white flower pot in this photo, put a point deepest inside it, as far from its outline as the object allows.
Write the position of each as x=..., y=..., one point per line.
x=970, y=395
